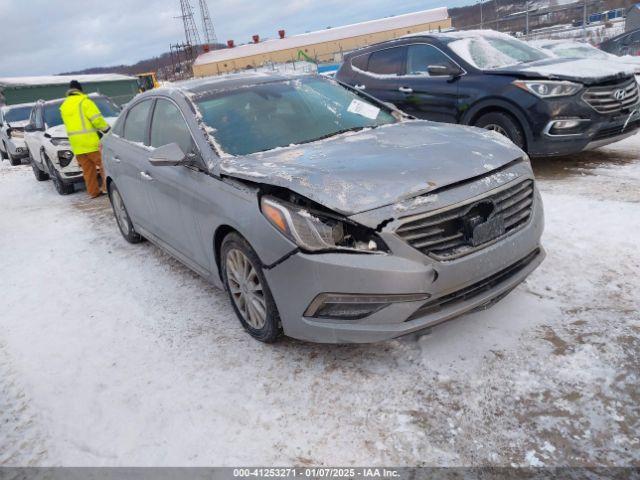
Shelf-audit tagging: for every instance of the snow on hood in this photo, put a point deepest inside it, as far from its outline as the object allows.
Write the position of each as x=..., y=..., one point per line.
x=583, y=70
x=355, y=173
x=59, y=131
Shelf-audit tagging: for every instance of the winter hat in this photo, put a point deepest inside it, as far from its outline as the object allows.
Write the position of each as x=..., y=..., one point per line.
x=75, y=85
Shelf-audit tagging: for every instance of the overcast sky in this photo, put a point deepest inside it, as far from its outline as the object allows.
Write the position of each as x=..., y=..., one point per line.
x=52, y=36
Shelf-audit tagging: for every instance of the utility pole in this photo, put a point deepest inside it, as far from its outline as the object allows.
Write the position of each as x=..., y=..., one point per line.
x=481, y=16
x=527, y=19
x=207, y=25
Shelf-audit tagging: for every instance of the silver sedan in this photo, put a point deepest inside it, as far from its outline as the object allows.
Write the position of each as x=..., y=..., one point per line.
x=327, y=215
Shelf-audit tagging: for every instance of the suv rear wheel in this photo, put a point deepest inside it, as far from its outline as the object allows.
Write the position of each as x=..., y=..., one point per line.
x=248, y=289
x=504, y=124
x=122, y=216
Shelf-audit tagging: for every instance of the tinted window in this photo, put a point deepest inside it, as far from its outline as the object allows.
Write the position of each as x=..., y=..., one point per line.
x=421, y=57
x=360, y=62
x=39, y=119
x=387, y=62
x=107, y=107
x=168, y=126
x=135, y=127
x=278, y=114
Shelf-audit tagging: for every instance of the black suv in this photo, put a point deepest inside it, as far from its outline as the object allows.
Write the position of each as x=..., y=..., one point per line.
x=547, y=106
x=627, y=43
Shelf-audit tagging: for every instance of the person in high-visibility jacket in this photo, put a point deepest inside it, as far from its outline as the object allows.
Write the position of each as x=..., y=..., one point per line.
x=85, y=126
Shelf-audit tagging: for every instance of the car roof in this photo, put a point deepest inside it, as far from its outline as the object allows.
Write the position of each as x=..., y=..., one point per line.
x=226, y=82
x=6, y=108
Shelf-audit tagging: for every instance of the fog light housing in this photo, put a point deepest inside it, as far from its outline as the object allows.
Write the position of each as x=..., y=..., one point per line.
x=567, y=126
x=65, y=157
x=343, y=306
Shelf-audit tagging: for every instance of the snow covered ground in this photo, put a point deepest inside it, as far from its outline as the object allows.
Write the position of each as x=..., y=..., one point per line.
x=115, y=354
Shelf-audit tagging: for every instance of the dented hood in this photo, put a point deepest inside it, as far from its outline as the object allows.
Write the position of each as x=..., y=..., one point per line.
x=353, y=173
x=586, y=71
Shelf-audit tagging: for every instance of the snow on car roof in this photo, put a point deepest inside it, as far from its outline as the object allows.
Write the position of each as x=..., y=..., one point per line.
x=224, y=81
x=61, y=79
x=328, y=35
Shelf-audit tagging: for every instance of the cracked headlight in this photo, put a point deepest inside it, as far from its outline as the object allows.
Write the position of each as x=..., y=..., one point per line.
x=314, y=231
x=549, y=89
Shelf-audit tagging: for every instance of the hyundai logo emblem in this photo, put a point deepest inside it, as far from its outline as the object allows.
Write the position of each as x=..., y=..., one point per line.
x=620, y=95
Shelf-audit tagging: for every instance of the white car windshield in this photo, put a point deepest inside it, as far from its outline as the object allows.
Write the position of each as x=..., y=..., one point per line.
x=493, y=52
x=17, y=114
x=278, y=114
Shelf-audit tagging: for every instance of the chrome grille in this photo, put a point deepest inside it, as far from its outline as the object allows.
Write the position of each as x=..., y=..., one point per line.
x=441, y=235
x=607, y=99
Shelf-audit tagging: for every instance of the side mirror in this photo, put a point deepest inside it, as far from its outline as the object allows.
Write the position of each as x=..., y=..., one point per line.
x=442, y=71
x=168, y=156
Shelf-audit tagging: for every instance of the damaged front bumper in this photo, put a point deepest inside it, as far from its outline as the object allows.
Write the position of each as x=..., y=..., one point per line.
x=406, y=293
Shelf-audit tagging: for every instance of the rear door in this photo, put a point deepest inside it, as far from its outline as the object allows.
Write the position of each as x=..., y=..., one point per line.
x=126, y=155
x=35, y=137
x=428, y=88
x=382, y=73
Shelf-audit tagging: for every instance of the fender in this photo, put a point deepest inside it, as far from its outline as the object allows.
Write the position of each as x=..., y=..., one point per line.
x=499, y=104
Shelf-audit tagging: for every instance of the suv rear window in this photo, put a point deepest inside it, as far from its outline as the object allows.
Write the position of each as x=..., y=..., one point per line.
x=360, y=62
x=389, y=61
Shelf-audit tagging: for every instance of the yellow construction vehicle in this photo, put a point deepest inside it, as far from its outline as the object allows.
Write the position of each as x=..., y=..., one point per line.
x=147, y=81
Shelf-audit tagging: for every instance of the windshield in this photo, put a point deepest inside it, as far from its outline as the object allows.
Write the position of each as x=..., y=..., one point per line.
x=18, y=114
x=490, y=53
x=53, y=118
x=578, y=51
x=262, y=117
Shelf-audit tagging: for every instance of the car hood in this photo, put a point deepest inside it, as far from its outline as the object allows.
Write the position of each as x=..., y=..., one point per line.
x=354, y=173
x=59, y=131
x=583, y=70
x=18, y=124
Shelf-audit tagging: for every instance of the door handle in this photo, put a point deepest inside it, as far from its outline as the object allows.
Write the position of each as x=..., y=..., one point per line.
x=116, y=159
x=146, y=176
x=360, y=87
x=406, y=89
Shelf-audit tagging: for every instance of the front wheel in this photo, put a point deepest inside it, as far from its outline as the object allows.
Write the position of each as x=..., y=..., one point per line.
x=503, y=124
x=61, y=187
x=39, y=174
x=248, y=289
x=122, y=216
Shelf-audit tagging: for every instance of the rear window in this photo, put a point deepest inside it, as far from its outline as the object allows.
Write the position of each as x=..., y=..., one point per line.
x=360, y=62
x=389, y=61
x=17, y=114
x=135, y=126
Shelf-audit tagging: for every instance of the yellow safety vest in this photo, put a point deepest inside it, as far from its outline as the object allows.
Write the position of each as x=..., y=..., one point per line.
x=83, y=120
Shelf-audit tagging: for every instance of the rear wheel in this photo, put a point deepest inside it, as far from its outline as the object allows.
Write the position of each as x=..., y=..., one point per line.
x=122, y=216
x=39, y=174
x=15, y=161
x=504, y=124
x=61, y=187
x=248, y=289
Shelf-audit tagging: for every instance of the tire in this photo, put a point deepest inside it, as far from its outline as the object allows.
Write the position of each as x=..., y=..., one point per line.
x=61, y=187
x=122, y=216
x=14, y=161
x=39, y=174
x=504, y=124
x=249, y=293
x=4, y=151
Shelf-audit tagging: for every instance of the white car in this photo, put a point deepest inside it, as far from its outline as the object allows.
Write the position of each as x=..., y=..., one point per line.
x=13, y=119
x=48, y=145
x=572, y=49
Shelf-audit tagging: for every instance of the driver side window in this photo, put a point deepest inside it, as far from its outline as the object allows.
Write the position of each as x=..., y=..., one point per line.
x=168, y=126
x=421, y=57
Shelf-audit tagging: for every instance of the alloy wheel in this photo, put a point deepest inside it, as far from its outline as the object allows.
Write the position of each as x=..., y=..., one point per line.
x=497, y=128
x=246, y=289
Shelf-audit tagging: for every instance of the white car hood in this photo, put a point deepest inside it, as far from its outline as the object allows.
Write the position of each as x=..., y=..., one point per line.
x=60, y=131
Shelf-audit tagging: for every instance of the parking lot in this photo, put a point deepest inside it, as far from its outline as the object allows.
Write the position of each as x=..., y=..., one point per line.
x=128, y=358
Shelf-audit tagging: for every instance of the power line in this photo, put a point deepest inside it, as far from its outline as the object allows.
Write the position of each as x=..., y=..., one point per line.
x=190, y=30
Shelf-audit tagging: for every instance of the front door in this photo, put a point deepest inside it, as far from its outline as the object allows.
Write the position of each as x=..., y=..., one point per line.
x=430, y=86
x=381, y=75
